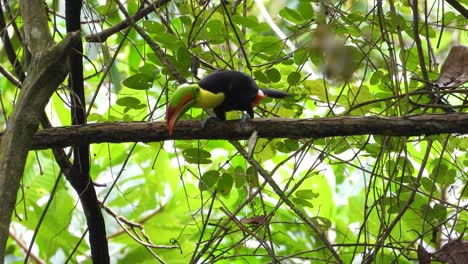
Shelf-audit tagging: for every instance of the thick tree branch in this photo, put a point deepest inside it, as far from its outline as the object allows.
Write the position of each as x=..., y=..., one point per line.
x=47, y=70
x=80, y=177
x=420, y=125
x=37, y=35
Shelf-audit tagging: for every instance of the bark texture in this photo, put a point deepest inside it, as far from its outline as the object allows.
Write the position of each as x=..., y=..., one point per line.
x=46, y=72
x=421, y=125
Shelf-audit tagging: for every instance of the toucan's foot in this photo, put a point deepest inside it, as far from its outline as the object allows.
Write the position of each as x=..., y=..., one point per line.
x=212, y=118
x=243, y=120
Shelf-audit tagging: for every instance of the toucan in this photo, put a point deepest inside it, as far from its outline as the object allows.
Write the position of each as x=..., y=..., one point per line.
x=221, y=91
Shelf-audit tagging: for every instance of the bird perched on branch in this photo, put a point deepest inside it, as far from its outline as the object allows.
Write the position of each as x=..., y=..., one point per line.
x=221, y=91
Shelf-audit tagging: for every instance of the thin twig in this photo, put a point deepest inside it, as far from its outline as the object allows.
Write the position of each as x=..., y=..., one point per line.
x=266, y=176
x=24, y=247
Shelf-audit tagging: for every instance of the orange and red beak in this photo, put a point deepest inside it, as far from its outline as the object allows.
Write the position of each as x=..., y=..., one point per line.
x=182, y=99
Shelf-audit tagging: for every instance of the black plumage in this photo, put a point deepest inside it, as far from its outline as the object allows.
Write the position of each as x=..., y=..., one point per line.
x=240, y=91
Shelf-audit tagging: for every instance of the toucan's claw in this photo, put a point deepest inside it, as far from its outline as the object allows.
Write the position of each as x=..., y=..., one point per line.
x=205, y=122
x=243, y=120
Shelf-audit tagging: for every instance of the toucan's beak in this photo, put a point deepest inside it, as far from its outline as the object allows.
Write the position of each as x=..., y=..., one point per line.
x=180, y=102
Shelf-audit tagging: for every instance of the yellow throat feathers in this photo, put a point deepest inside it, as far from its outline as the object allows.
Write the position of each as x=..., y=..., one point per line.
x=207, y=99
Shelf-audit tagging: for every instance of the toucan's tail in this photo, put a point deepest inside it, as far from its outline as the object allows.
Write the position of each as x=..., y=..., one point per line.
x=274, y=93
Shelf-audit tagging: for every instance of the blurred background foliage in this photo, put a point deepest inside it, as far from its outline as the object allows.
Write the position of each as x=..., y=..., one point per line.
x=203, y=200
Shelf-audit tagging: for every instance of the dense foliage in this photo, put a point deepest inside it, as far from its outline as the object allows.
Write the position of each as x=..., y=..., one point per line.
x=207, y=200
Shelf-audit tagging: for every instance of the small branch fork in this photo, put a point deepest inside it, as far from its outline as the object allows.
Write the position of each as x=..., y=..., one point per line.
x=131, y=228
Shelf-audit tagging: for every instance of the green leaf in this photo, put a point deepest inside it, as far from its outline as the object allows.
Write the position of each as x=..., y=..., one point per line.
x=291, y=15
x=208, y=180
x=196, y=156
x=301, y=56
x=291, y=144
x=215, y=32
x=440, y=212
x=252, y=177
x=128, y=101
x=294, y=78
x=427, y=184
x=268, y=45
x=274, y=75
x=394, y=208
x=225, y=184
x=307, y=194
x=153, y=27
x=166, y=38
x=376, y=77
x=317, y=87
x=239, y=176
x=149, y=69
x=138, y=81
x=302, y=202
x=196, y=153
x=95, y=117
x=306, y=10
x=184, y=58
x=261, y=77
x=287, y=145
x=316, y=56
x=322, y=222
x=246, y=21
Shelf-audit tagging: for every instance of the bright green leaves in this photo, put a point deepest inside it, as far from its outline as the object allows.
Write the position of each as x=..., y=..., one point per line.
x=214, y=180
x=299, y=14
x=317, y=88
x=434, y=213
x=301, y=56
x=142, y=80
x=174, y=44
x=302, y=202
x=400, y=165
x=267, y=45
x=149, y=69
x=291, y=15
x=305, y=9
x=308, y=194
x=208, y=180
x=215, y=31
x=287, y=145
x=271, y=75
x=138, y=81
x=166, y=38
x=443, y=174
x=160, y=34
x=303, y=197
x=294, y=78
x=252, y=177
x=225, y=183
x=245, y=21
x=196, y=156
x=184, y=59
x=153, y=27
x=261, y=77
x=130, y=103
x=322, y=222
x=274, y=75
x=222, y=181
